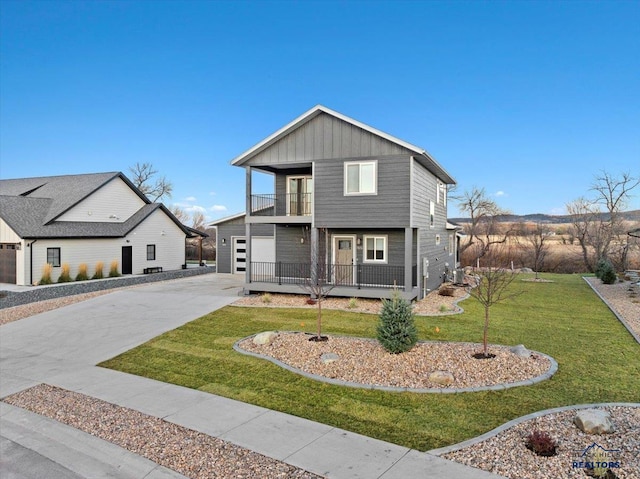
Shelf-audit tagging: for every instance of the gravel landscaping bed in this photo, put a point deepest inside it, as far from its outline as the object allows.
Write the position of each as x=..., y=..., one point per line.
x=507, y=455
x=184, y=450
x=433, y=304
x=364, y=361
x=623, y=297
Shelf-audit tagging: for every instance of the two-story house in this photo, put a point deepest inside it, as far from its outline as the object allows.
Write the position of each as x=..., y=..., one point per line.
x=369, y=208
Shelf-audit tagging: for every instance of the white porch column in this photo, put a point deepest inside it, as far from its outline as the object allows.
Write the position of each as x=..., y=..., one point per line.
x=408, y=263
x=247, y=235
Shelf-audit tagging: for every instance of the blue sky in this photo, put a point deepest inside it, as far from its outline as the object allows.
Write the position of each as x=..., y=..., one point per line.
x=529, y=100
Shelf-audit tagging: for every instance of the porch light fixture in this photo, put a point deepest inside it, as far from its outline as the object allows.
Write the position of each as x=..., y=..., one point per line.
x=358, y=241
x=302, y=240
x=224, y=241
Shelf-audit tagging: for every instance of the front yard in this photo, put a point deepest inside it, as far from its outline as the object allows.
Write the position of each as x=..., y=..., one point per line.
x=598, y=361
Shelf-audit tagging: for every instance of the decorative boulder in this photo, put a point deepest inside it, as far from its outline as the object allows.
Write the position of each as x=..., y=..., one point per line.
x=594, y=421
x=520, y=351
x=264, y=338
x=327, y=358
x=442, y=378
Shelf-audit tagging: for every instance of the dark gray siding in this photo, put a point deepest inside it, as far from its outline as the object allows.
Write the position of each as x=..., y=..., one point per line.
x=226, y=231
x=289, y=249
x=325, y=136
x=389, y=207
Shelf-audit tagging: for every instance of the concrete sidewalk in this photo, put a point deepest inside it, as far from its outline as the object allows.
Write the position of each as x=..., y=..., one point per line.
x=61, y=347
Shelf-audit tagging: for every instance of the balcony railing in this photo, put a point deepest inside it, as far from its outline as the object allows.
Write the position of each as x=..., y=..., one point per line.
x=358, y=276
x=290, y=204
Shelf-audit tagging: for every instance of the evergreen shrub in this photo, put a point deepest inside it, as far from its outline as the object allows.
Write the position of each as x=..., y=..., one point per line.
x=396, y=327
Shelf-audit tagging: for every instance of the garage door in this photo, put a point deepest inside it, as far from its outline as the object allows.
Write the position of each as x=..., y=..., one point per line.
x=263, y=250
x=8, y=263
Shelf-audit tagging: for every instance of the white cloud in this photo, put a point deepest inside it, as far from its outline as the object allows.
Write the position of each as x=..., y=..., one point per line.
x=501, y=193
x=218, y=208
x=212, y=193
x=190, y=199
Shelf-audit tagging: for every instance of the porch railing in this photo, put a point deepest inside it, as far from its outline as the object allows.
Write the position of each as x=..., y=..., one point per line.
x=358, y=276
x=290, y=204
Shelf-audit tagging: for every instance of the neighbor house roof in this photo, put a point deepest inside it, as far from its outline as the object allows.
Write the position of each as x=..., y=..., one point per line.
x=421, y=154
x=635, y=233
x=30, y=206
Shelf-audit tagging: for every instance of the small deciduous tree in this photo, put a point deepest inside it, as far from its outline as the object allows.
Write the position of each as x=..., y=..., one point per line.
x=483, y=229
x=492, y=287
x=317, y=279
x=537, y=237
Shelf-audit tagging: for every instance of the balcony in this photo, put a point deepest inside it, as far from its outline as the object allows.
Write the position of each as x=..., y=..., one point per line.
x=290, y=205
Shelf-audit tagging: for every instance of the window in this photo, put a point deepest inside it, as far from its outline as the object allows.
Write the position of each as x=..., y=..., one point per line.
x=151, y=252
x=441, y=193
x=53, y=256
x=432, y=214
x=375, y=249
x=450, y=244
x=360, y=178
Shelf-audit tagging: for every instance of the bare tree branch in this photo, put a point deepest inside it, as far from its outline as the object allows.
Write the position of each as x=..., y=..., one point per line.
x=143, y=178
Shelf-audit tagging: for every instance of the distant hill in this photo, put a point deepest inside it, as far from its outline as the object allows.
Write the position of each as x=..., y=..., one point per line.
x=547, y=219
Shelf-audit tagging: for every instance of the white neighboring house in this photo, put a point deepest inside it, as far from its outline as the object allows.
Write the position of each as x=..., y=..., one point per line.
x=76, y=219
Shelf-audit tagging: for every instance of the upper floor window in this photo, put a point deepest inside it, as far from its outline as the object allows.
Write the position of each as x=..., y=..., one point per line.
x=53, y=256
x=151, y=252
x=360, y=178
x=375, y=249
x=441, y=193
x=432, y=214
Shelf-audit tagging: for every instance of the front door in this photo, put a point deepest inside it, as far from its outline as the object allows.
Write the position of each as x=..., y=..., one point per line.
x=343, y=260
x=239, y=255
x=127, y=259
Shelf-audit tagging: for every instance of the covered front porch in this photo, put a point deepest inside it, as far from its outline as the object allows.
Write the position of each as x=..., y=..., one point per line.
x=345, y=280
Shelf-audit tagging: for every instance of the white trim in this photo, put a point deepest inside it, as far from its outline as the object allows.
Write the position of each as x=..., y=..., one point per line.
x=288, y=191
x=385, y=249
x=375, y=177
x=411, y=199
x=353, y=252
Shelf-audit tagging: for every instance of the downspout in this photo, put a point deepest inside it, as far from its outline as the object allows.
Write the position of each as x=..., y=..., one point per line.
x=31, y=261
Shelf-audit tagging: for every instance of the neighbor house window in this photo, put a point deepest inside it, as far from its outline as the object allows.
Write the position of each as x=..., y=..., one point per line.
x=53, y=256
x=360, y=178
x=432, y=214
x=151, y=252
x=450, y=244
x=375, y=249
x=441, y=193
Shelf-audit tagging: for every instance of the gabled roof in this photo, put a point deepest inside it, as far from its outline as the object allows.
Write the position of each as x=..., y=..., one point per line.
x=30, y=206
x=64, y=191
x=226, y=219
x=421, y=154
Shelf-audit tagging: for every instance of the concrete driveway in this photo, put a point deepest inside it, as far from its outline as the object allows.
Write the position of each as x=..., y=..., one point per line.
x=61, y=348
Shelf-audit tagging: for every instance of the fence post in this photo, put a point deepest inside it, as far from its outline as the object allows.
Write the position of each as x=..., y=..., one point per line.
x=279, y=272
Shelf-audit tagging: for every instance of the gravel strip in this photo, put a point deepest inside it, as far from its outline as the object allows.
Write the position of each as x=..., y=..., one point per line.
x=624, y=298
x=507, y=455
x=434, y=304
x=184, y=450
x=364, y=361
x=8, y=315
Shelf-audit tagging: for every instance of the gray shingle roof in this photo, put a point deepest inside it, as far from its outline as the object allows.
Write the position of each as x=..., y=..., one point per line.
x=30, y=206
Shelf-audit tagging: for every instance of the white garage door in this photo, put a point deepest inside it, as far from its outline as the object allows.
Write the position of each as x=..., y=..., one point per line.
x=263, y=250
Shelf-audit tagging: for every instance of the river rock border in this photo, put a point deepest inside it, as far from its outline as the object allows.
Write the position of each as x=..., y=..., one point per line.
x=338, y=382
x=521, y=419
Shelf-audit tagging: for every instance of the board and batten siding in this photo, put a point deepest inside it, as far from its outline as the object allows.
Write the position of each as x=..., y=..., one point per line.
x=325, y=137
x=390, y=206
x=114, y=202
x=170, y=249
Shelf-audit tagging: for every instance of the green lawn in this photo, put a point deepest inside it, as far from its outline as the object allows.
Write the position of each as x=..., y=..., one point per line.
x=598, y=362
